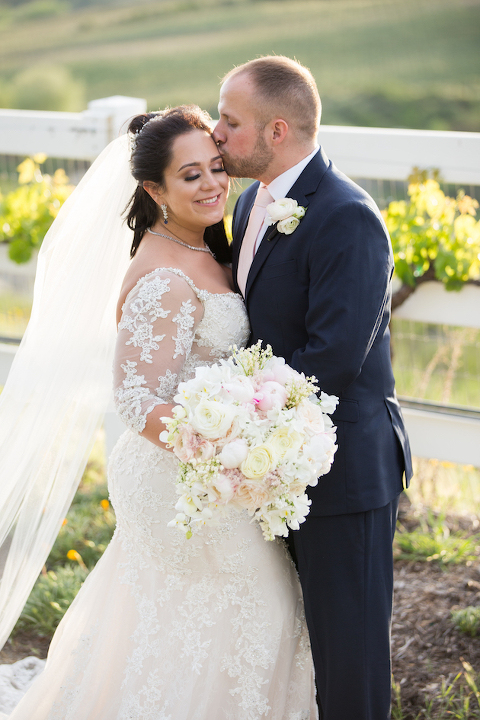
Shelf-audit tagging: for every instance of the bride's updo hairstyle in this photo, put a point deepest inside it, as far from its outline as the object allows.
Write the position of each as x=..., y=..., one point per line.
x=153, y=137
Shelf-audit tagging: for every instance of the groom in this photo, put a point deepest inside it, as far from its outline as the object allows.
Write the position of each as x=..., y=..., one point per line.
x=321, y=297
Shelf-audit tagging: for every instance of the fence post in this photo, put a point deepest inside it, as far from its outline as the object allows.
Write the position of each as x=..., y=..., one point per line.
x=116, y=110
x=76, y=136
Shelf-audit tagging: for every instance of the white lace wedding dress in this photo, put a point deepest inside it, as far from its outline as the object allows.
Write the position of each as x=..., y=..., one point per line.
x=166, y=628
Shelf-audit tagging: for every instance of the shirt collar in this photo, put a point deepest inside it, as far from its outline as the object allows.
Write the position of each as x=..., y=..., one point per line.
x=279, y=187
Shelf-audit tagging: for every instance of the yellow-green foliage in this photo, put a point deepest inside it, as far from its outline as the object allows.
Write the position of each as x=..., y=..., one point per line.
x=27, y=212
x=436, y=233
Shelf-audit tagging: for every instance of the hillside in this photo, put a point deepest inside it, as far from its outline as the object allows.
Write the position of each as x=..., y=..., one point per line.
x=400, y=63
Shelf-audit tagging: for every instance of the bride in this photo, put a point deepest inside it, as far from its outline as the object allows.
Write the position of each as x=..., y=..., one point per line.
x=165, y=628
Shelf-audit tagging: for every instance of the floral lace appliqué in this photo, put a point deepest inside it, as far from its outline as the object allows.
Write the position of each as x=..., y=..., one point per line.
x=146, y=308
x=184, y=320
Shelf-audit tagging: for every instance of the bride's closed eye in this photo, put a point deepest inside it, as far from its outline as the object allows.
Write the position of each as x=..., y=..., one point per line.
x=195, y=177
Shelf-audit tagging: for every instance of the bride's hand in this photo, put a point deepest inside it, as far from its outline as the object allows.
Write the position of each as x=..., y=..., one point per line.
x=154, y=426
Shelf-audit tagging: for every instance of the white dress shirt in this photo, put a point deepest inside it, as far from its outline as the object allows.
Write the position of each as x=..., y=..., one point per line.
x=280, y=187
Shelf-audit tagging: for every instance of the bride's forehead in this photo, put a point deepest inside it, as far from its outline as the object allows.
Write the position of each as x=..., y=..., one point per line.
x=193, y=146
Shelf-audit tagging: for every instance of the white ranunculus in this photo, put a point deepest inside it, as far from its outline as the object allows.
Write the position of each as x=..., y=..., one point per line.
x=281, y=209
x=299, y=212
x=233, y=454
x=288, y=225
x=212, y=419
x=283, y=439
x=258, y=462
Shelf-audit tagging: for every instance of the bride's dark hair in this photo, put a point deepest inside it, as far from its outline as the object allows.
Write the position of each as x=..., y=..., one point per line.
x=154, y=134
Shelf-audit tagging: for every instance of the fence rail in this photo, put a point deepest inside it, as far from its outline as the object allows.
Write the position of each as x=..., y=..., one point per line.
x=79, y=136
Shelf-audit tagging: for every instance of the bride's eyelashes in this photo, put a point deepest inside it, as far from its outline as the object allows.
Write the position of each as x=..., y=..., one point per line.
x=195, y=177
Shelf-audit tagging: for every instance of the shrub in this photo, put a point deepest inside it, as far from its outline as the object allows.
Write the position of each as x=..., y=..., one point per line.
x=48, y=87
x=27, y=212
x=434, y=237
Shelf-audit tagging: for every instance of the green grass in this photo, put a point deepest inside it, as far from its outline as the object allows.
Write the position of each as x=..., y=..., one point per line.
x=50, y=598
x=412, y=63
x=468, y=620
x=433, y=541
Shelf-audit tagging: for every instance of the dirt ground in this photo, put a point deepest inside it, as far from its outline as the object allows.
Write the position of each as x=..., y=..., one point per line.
x=426, y=647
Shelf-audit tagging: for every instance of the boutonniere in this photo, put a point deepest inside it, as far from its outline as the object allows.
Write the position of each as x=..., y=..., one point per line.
x=287, y=213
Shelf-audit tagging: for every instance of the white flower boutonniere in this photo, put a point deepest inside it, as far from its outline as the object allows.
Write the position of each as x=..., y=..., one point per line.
x=287, y=213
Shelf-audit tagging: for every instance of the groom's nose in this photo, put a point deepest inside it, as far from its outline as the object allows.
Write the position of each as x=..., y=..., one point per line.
x=218, y=135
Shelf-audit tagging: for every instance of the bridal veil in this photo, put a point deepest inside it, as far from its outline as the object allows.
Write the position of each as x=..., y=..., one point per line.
x=60, y=381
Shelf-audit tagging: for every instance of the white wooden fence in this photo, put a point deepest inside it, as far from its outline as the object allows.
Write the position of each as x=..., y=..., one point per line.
x=81, y=136
x=386, y=154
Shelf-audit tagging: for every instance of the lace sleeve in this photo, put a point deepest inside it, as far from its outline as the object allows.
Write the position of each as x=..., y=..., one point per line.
x=154, y=340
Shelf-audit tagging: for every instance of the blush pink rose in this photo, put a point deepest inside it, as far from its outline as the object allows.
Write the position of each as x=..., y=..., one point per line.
x=204, y=451
x=251, y=495
x=185, y=444
x=311, y=413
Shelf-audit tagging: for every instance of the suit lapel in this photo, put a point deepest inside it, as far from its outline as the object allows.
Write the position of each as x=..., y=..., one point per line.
x=305, y=186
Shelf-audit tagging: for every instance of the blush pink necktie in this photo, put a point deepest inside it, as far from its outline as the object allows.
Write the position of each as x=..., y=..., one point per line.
x=255, y=222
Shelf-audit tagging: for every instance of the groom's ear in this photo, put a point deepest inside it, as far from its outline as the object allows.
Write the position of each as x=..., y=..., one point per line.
x=278, y=130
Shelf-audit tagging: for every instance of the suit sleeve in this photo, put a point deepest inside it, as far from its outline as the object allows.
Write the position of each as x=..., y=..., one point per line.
x=351, y=265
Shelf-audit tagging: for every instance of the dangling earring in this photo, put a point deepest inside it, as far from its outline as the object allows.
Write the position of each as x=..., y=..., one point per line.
x=165, y=213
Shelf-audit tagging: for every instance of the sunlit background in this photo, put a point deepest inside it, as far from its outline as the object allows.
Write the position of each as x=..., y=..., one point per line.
x=385, y=63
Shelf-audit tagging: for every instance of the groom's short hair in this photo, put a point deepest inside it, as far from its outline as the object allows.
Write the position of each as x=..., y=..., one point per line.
x=286, y=89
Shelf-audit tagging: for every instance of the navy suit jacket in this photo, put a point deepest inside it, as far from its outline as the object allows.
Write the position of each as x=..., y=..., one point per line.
x=321, y=298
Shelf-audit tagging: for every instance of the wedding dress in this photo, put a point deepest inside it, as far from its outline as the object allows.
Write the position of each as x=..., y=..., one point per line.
x=169, y=628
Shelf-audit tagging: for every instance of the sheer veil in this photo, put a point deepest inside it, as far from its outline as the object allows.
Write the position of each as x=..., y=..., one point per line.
x=60, y=381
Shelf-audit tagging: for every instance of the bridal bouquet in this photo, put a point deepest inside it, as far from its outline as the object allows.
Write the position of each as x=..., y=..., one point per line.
x=250, y=433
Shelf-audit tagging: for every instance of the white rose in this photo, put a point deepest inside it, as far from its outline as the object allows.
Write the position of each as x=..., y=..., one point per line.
x=288, y=225
x=211, y=419
x=312, y=415
x=299, y=212
x=233, y=454
x=258, y=462
x=282, y=209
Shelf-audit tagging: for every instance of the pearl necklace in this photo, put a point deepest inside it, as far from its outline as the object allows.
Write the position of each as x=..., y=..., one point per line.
x=180, y=242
